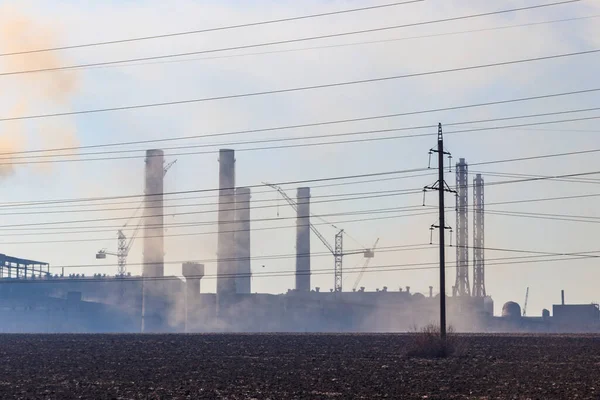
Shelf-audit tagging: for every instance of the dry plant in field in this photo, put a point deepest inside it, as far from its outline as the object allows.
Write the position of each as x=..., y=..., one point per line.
x=427, y=343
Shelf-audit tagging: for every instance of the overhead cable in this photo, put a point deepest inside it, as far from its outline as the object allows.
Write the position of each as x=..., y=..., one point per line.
x=220, y=28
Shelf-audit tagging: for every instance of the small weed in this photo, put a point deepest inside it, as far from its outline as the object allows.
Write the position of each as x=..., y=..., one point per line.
x=428, y=343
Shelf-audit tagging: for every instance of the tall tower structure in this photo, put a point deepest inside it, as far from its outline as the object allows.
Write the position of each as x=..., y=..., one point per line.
x=154, y=308
x=154, y=256
x=461, y=287
x=242, y=240
x=303, y=240
x=478, y=238
x=226, y=263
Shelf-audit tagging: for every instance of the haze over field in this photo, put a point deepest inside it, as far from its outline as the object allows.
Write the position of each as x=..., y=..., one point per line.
x=561, y=226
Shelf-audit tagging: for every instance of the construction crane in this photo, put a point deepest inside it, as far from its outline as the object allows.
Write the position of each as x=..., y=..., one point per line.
x=337, y=250
x=365, y=265
x=123, y=246
x=526, y=299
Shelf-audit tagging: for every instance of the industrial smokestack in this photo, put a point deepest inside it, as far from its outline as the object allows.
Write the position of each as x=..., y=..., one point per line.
x=478, y=238
x=303, y=240
x=242, y=240
x=153, y=215
x=462, y=229
x=153, y=304
x=562, y=297
x=226, y=264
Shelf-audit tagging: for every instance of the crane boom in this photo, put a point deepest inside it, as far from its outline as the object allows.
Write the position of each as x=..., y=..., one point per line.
x=124, y=246
x=371, y=252
x=295, y=207
x=337, y=251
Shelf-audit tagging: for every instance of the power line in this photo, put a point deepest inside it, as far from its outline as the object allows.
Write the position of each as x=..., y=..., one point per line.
x=310, y=137
x=301, y=145
x=19, y=205
x=545, y=216
x=515, y=175
x=389, y=217
x=76, y=200
x=388, y=249
x=369, y=195
x=408, y=208
x=221, y=28
x=408, y=191
x=357, y=212
x=322, y=123
x=529, y=200
x=312, y=87
x=295, y=182
x=534, y=259
x=280, y=42
x=348, y=44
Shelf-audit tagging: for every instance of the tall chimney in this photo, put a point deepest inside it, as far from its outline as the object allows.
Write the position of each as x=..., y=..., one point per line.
x=478, y=238
x=242, y=240
x=153, y=259
x=462, y=229
x=226, y=264
x=562, y=297
x=154, y=308
x=303, y=240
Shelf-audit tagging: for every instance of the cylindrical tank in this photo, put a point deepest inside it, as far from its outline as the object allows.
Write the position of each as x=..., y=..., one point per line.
x=303, y=240
x=511, y=310
x=418, y=296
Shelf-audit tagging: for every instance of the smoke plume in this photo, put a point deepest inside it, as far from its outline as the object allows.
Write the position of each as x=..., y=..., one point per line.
x=36, y=92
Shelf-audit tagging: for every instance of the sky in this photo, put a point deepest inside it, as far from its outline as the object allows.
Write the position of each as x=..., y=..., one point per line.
x=53, y=234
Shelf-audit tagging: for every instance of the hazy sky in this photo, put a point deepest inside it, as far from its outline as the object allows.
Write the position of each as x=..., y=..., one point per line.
x=39, y=24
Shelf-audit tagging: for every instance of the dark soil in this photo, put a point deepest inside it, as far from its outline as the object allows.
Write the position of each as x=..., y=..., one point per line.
x=294, y=367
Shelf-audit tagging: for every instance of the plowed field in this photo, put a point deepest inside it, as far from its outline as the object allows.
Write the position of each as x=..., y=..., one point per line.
x=294, y=367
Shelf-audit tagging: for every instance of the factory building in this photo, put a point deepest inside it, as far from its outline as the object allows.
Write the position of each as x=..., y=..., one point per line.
x=34, y=300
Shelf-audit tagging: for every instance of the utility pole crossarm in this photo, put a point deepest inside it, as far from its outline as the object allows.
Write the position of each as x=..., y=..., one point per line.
x=442, y=188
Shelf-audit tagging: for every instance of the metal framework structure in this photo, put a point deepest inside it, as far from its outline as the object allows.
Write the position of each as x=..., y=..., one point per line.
x=338, y=254
x=121, y=253
x=13, y=267
x=123, y=246
x=337, y=250
x=368, y=259
x=442, y=187
x=461, y=285
x=478, y=238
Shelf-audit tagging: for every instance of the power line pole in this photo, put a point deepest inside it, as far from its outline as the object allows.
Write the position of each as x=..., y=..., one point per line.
x=442, y=187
